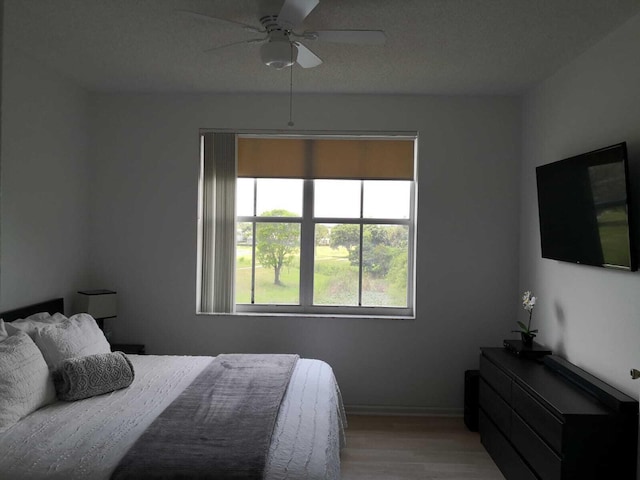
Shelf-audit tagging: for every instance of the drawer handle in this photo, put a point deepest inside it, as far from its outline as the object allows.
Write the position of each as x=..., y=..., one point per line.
x=635, y=374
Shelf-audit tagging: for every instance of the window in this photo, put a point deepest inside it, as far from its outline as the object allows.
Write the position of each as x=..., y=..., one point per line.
x=319, y=225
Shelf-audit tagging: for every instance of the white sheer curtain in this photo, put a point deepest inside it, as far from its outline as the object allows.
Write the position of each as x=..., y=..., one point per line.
x=217, y=283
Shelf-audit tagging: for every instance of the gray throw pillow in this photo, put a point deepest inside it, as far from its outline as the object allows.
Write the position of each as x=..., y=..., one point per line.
x=85, y=377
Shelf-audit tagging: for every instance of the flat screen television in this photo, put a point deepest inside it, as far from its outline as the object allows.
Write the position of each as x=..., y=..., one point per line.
x=583, y=203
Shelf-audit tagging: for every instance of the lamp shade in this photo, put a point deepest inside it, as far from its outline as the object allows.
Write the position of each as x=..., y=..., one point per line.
x=100, y=304
x=278, y=54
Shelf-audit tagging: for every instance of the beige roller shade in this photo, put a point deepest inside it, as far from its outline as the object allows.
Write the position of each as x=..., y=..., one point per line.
x=362, y=159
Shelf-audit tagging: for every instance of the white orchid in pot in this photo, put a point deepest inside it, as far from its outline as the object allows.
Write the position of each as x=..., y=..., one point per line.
x=528, y=303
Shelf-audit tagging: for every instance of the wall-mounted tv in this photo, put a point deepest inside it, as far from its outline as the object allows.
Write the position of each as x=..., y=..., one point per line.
x=583, y=203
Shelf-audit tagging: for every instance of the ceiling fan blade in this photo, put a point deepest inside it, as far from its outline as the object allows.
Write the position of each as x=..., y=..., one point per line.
x=356, y=37
x=294, y=12
x=250, y=28
x=253, y=40
x=306, y=58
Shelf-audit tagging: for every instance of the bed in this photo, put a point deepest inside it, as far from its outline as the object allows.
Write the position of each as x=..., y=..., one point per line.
x=88, y=438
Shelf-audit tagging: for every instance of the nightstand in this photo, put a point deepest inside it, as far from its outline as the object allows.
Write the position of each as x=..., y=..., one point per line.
x=132, y=348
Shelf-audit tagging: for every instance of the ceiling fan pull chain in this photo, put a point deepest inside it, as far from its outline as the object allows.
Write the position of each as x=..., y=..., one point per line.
x=291, y=89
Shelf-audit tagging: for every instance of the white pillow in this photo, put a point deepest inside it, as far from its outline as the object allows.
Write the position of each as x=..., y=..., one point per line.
x=3, y=331
x=32, y=322
x=25, y=383
x=38, y=317
x=77, y=336
x=57, y=318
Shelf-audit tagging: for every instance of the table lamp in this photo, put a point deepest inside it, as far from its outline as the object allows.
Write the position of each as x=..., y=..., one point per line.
x=100, y=304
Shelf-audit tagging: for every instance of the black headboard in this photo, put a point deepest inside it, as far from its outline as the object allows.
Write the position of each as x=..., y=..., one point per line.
x=51, y=306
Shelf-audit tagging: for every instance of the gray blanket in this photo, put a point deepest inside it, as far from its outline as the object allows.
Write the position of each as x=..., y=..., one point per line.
x=219, y=428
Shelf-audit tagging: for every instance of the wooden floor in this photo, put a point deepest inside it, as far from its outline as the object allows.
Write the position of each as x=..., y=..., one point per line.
x=407, y=448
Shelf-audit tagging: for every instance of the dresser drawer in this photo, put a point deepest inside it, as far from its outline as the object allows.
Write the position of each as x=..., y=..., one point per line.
x=495, y=377
x=538, y=417
x=510, y=463
x=496, y=408
x=540, y=456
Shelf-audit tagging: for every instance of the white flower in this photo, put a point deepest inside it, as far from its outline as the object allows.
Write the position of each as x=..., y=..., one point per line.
x=528, y=301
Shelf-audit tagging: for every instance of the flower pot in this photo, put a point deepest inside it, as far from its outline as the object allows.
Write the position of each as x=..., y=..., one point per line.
x=527, y=339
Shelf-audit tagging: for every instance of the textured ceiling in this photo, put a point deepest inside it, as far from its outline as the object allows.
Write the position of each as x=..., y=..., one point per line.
x=433, y=46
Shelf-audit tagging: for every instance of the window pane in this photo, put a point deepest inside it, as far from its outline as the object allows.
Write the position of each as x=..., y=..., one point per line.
x=244, y=241
x=386, y=199
x=335, y=270
x=337, y=198
x=244, y=196
x=279, y=194
x=277, y=263
x=385, y=265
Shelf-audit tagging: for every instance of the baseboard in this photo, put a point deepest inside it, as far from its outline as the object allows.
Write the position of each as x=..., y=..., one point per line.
x=399, y=410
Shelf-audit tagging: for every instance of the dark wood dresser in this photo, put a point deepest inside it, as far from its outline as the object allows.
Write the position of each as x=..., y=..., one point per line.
x=552, y=421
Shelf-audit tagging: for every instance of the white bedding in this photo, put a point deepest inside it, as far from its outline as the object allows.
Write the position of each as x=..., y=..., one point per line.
x=87, y=438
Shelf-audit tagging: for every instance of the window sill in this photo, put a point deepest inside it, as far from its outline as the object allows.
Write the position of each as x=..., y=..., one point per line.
x=308, y=315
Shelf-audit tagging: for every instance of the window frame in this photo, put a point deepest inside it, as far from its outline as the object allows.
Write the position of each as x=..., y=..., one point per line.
x=308, y=223
x=307, y=242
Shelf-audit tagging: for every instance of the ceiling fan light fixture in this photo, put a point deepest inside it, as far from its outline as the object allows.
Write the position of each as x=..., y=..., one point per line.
x=278, y=54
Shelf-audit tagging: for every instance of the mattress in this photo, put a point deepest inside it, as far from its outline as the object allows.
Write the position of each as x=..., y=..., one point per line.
x=87, y=438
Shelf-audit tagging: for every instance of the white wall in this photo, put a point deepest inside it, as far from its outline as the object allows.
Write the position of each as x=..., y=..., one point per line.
x=144, y=169
x=588, y=314
x=126, y=213
x=44, y=210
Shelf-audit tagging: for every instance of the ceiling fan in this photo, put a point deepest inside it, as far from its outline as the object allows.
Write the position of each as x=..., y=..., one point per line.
x=282, y=46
